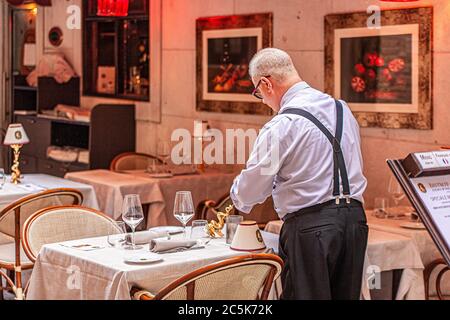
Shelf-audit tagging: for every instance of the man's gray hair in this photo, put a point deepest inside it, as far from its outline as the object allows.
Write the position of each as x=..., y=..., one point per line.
x=274, y=62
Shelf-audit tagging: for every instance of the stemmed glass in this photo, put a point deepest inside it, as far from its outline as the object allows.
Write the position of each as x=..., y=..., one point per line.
x=2, y=178
x=381, y=207
x=164, y=152
x=397, y=194
x=183, y=209
x=132, y=215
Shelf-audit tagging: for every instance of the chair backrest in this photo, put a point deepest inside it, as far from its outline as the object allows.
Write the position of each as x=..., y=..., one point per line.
x=207, y=210
x=28, y=205
x=248, y=277
x=64, y=223
x=132, y=161
x=261, y=213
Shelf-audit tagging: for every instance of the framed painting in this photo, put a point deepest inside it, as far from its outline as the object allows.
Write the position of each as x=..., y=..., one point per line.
x=225, y=46
x=385, y=74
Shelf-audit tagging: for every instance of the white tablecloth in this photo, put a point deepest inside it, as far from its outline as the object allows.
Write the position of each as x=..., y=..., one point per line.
x=111, y=187
x=387, y=252
x=66, y=273
x=423, y=241
x=34, y=183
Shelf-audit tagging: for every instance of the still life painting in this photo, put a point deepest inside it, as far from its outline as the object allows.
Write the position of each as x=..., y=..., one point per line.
x=385, y=73
x=225, y=46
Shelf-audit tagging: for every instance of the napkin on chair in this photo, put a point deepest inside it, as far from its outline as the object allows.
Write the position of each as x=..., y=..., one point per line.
x=145, y=237
x=163, y=245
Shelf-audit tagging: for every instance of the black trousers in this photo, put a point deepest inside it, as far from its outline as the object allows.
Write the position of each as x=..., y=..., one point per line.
x=323, y=248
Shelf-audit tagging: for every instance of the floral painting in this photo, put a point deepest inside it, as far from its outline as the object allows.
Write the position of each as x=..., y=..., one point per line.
x=385, y=74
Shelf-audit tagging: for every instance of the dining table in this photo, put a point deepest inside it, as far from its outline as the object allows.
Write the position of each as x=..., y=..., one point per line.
x=421, y=238
x=401, y=226
x=157, y=192
x=62, y=272
x=34, y=183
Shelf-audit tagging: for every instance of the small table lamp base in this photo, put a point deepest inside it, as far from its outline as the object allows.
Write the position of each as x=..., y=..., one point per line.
x=15, y=171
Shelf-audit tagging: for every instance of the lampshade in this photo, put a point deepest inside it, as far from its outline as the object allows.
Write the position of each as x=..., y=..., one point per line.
x=248, y=238
x=112, y=8
x=16, y=135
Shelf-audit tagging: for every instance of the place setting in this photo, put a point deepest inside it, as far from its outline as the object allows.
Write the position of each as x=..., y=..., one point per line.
x=161, y=168
x=147, y=246
x=157, y=243
x=403, y=216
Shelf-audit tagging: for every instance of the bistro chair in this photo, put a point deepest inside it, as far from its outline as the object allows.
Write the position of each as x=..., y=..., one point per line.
x=132, y=161
x=261, y=213
x=432, y=266
x=248, y=277
x=63, y=223
x=12, y=218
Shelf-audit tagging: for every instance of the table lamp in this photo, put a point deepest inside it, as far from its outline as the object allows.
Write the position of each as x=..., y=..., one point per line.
x=16, y=137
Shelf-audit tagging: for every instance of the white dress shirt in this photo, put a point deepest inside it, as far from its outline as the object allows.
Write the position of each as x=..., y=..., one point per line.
x=303, y=175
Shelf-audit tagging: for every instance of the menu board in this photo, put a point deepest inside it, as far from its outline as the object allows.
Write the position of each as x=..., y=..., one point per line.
x=430, y=196
x=434, y=192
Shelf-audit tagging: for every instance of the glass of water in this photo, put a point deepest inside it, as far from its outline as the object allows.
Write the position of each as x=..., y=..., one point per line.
x=117, y=234
x=381, y=207
x=232, y=222
x=198, y=230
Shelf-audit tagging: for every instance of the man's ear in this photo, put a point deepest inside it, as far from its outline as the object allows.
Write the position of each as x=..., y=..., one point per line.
x=268, y=84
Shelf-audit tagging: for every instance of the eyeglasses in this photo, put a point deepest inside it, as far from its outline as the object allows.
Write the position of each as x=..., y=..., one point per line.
x=256, y=93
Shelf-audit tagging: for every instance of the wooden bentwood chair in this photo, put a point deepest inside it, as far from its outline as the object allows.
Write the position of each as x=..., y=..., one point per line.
x=261, y=213
x=12, y=218
x=427, y=277
x=64, y=223
x=132, y=161
x=248, y=277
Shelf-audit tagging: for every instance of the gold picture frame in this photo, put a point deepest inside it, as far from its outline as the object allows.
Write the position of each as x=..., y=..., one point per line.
x=225, y=46
x=385, y=74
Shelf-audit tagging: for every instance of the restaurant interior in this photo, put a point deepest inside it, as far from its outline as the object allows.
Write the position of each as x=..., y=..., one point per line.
x=125, y=124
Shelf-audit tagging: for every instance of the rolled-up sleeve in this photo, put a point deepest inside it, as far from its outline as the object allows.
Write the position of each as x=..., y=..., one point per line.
x=256, y=181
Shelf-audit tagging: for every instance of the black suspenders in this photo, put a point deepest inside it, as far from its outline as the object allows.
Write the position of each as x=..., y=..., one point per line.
x=338, y=157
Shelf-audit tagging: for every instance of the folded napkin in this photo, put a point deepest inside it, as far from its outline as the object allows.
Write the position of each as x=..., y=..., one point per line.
x=145, y=237
x=178, y=170
x=161, y=245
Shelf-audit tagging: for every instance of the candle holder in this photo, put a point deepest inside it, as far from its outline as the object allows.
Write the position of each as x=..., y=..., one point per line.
x=215, y=227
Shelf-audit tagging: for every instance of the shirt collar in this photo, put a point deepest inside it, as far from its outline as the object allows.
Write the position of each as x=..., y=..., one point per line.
x=292, y=92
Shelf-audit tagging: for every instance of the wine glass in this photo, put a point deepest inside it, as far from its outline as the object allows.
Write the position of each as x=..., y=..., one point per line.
x=132, y=215
x=183, y=209
x=2, y=178
x=151, y=168
x=396, y=192
x=164, y=151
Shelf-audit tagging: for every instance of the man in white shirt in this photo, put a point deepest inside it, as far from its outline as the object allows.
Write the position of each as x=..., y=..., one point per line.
x=308, y=158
